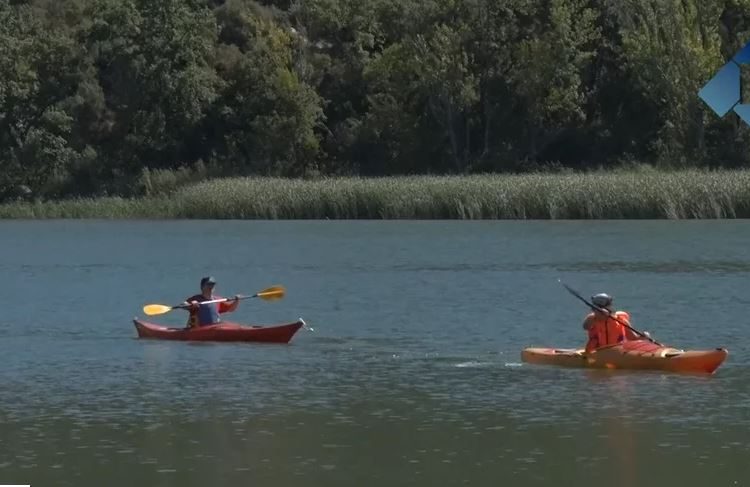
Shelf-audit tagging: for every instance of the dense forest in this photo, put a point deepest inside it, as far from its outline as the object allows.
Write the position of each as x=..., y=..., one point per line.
x=96, y=93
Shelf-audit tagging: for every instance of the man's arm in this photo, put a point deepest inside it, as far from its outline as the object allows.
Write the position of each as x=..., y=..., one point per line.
x=230, y=305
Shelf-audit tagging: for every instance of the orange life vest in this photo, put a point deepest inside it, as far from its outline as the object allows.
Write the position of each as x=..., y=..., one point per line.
x=604, y=330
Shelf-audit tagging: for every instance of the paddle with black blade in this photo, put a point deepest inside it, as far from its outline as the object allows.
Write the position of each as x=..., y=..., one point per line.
x=607, y=312
x=273, y=293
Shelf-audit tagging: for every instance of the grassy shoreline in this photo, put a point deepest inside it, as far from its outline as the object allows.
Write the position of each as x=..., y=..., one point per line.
x=637, y=194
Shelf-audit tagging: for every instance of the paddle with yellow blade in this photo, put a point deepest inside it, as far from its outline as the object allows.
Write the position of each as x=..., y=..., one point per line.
x=273, y=293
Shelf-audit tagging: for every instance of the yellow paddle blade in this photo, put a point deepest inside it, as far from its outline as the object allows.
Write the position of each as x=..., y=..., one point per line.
x=272, y=293
x=156, y=309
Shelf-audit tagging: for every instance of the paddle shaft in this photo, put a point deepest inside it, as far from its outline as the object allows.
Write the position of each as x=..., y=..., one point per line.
x=609, y=314
x=270, y=294
x=220, y=300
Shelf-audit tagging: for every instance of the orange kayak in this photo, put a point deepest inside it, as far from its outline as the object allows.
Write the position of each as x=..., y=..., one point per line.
x=222, y=332
x=635, y=355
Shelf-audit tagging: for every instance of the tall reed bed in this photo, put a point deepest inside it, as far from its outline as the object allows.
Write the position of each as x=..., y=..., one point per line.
x=105, y=208
x=600, y=195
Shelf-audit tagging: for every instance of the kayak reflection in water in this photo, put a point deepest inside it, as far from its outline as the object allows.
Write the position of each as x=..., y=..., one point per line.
x=602, y=329
x=208, y=314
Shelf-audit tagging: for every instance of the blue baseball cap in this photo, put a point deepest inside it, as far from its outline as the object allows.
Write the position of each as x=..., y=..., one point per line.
x=208, y=281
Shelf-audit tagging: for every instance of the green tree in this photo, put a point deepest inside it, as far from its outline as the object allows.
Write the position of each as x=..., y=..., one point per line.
x=670, y=48
x=40, y=78
x=548, y=68
x=265, y=118
x=430, y=76
x=153, y=65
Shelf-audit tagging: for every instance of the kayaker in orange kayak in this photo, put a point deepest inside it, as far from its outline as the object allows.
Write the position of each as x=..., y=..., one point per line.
x=602, y=328
x=208, y=314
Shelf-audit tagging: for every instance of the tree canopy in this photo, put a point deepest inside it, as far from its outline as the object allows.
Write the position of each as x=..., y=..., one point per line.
x=94, y=92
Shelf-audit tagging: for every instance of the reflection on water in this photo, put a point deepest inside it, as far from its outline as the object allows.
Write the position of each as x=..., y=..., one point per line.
x=667, y=267
x=412, y=376
x=662, y=266
x=366, y=415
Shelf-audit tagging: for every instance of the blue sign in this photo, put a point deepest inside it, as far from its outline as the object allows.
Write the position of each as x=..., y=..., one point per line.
x=722, y=92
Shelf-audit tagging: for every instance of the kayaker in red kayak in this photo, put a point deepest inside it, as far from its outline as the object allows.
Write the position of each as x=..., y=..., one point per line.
x=208, y=314
x=602, y=329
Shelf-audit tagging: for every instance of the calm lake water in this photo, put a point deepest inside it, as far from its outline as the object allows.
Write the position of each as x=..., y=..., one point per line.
x=411, y=375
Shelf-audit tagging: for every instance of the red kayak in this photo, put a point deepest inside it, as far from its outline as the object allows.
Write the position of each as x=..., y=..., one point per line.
x=222, y=332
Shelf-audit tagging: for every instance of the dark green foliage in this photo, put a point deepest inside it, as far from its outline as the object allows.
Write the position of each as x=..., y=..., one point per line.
x=95, y=92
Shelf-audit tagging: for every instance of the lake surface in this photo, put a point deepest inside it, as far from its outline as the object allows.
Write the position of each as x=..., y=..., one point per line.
x=411, y=375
